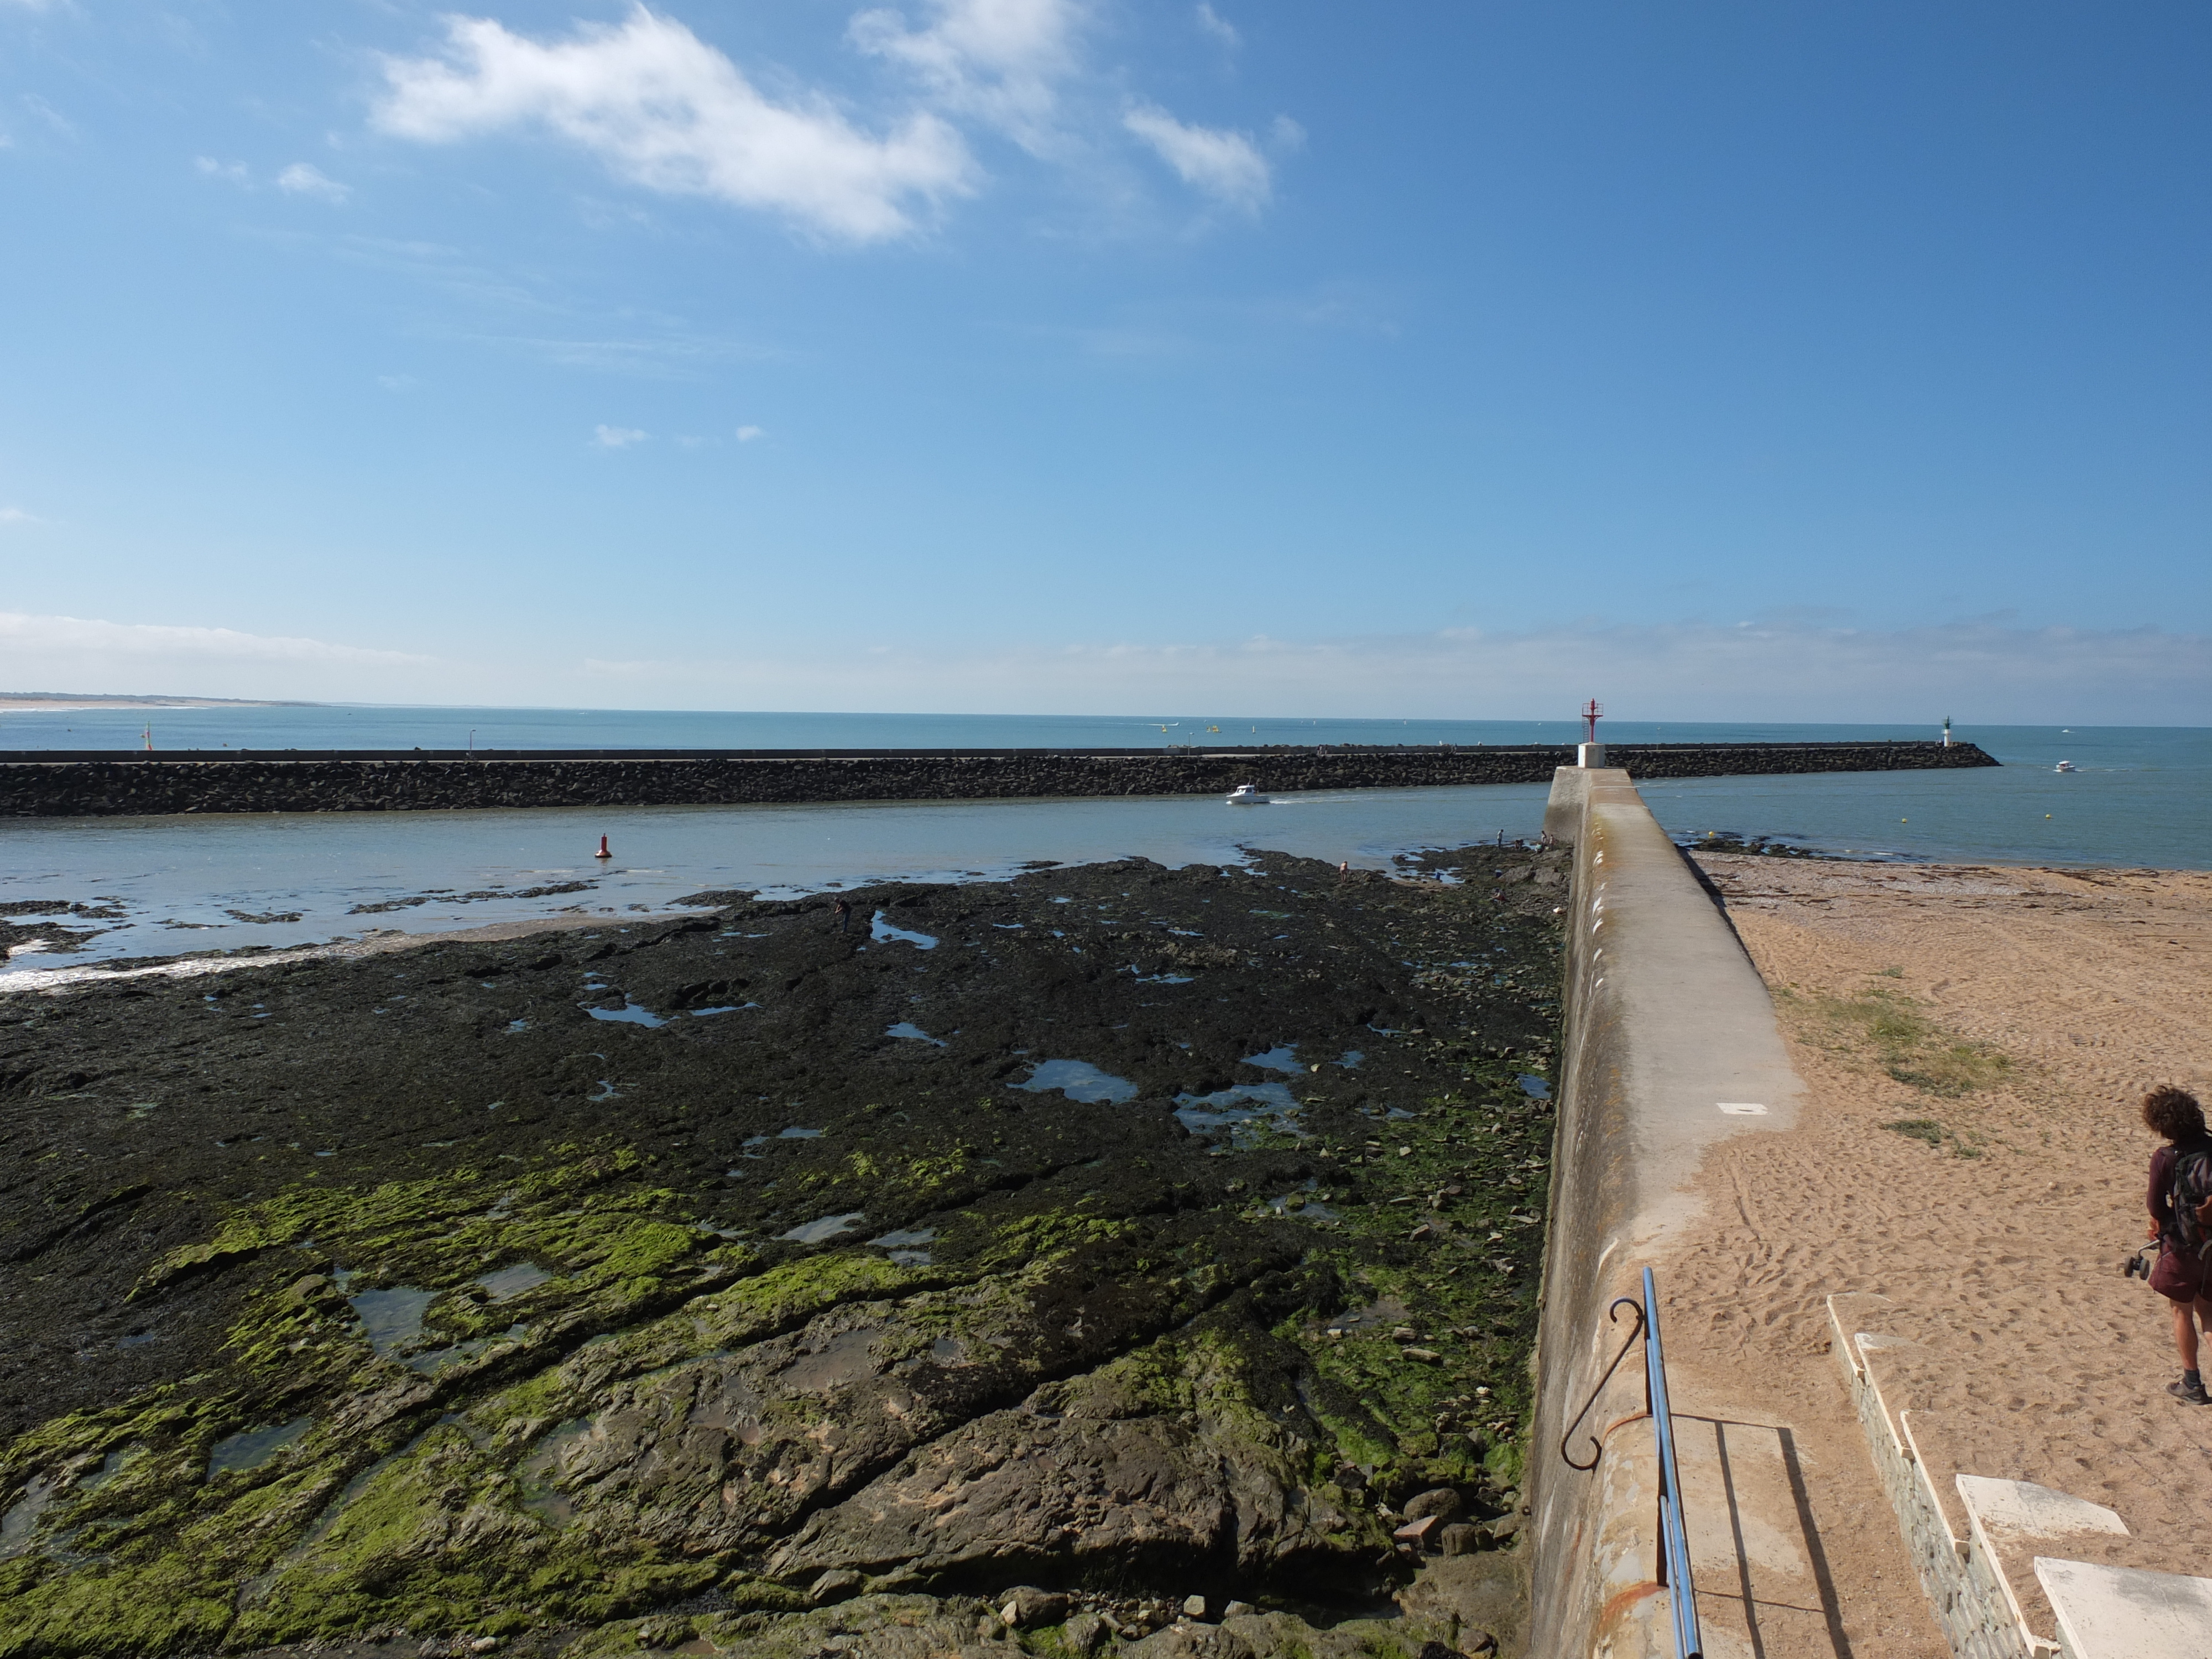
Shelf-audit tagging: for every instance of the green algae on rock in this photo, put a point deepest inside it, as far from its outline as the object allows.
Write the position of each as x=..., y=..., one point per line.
x=1138, y=1359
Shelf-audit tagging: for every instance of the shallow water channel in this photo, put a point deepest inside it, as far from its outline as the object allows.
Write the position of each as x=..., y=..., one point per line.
x=194, y=884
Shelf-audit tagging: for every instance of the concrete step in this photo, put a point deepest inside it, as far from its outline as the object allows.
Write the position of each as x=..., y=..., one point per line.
x=2123, y=1613
x=1989, y=1549
x=1752, y=1542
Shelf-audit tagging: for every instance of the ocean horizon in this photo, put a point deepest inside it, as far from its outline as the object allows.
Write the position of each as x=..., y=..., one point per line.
x=462, y=726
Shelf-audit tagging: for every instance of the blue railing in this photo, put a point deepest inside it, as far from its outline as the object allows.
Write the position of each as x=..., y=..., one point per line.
x=1674, y=1536
x=1675, y=1575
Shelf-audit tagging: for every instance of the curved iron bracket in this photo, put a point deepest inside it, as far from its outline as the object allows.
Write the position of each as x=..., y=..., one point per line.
x=1597, y=1447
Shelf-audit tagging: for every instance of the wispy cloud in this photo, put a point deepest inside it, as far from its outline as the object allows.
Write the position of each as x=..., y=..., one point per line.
x=301, y=178
x=230, y=171
x=617, y=437
x=1978, y=672
x=28, y=634
x=747, y=433
x=662, y=108
x=54, y=121
x=13, y=515
x=1226, y=165
x=1981, y=672
x=1000, y=61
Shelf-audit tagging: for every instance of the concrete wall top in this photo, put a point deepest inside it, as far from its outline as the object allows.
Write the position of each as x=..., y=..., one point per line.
x=1671, y=1048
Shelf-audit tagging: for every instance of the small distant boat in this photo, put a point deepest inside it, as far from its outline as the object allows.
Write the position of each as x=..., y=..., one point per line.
x=2066, y=766
x=1245, y=795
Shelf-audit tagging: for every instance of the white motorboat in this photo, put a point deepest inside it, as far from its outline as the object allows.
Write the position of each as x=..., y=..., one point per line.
x=1245, y=795
x=2066, y=766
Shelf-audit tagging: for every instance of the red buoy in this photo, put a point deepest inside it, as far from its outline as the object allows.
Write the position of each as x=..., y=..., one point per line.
x=603, y=852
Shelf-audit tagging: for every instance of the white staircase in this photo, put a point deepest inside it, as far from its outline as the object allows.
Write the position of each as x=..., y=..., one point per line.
x=1998, y=1558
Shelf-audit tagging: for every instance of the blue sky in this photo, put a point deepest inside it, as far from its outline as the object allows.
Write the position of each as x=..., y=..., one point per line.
x=1726, y=359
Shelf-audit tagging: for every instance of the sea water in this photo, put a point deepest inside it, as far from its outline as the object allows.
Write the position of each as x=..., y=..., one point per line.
x=336, y=725
x=218, y=881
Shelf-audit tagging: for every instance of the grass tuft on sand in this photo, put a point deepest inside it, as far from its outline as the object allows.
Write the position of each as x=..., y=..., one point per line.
x=1890, y=1030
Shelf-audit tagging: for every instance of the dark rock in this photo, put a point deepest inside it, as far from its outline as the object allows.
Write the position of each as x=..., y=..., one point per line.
x=1474, y=1603
x=1025, y=1605
x=1461, y=1538
x=1116, y=1479
x=1441, y=1502
x=1187, y=1641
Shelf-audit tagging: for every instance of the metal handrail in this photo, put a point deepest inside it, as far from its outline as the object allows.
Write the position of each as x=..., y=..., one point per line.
x=1675, y=1575
x=1673, y=1540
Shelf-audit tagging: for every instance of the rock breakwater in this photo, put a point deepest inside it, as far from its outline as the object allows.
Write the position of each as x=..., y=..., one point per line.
x=88, y=785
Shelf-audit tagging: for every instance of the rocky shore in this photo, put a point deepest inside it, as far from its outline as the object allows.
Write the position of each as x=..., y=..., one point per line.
x=1117, y=1258
x=35, y=787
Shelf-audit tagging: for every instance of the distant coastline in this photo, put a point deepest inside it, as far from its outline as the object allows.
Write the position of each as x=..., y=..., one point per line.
x=42, y=701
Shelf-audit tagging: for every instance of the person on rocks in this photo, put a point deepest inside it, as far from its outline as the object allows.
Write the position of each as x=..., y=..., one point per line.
x=2181, y=1203
x=844, y=909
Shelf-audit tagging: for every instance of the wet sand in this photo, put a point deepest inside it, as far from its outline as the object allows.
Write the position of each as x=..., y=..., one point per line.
x=1974, y=1041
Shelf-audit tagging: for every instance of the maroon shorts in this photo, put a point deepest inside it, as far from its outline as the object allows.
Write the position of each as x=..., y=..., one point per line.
x=2178, y=1278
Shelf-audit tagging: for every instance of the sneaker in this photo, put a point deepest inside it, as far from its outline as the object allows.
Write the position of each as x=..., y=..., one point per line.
x=2192, y=1392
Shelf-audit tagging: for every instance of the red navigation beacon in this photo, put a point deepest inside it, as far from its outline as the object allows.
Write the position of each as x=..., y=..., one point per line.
x=1593, y=711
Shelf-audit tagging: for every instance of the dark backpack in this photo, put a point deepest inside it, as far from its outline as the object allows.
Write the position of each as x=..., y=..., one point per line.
x=2192, y=1198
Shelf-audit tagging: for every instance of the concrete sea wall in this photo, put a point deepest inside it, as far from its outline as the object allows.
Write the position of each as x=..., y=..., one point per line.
x=95, y=783
x=1671, y=1047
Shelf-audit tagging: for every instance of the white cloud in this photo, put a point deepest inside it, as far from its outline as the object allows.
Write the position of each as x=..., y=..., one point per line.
x=617, y=437
x=747, y=433
x=1217, y=26
x=1226, y=165
x=210, y=168
x=665, y=110
x=302, y=180
x=999, y=60
x=16, y=515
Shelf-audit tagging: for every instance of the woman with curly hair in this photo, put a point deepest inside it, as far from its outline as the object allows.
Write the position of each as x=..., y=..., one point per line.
x=2180, y=1203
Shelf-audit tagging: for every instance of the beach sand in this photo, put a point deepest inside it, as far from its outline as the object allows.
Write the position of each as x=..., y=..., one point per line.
x=2010, y=1019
